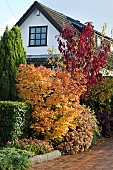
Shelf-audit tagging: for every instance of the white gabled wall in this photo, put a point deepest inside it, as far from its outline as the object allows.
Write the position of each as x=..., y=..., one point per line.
x=34, y=20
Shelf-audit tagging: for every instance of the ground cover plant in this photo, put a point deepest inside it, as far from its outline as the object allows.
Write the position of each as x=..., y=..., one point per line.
x=12, y=158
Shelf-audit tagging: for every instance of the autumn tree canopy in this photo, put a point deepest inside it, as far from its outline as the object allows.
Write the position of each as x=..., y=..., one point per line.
x=80, y=51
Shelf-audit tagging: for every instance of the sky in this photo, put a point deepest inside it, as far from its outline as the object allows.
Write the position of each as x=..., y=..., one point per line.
x=98, y=12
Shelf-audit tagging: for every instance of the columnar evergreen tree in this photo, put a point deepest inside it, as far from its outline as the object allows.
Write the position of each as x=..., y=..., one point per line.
x=12, y=54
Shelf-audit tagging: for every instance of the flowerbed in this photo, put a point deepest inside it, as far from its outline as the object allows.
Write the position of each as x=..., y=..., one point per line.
x=32, y=145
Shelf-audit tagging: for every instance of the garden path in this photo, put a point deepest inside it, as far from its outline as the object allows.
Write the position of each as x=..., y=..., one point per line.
x=100, y=157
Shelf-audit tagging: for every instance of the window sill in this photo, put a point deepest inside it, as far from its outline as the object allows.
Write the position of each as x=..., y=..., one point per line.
x=37, y=46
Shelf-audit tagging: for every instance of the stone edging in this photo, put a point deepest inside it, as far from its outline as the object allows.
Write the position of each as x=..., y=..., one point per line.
x=47, y=156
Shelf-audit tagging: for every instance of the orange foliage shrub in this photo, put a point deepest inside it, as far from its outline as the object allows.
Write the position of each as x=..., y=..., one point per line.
x=54, y=96
x=80, y=139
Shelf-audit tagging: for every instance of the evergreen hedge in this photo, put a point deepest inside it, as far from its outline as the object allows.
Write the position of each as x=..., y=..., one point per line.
x=15, y=120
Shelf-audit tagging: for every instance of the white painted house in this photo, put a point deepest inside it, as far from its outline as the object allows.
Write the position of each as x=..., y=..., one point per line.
x=38, y=34
x=39, y=26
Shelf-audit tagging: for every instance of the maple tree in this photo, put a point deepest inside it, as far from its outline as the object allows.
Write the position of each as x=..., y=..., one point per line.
x=54, y=96
x=80, y=51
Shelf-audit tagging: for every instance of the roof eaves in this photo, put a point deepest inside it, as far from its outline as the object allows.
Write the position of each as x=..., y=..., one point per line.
x=38, y=6
x=105, y=37
x=49, y=17
x=44, y=10
x=78, y=25
x=26, y=14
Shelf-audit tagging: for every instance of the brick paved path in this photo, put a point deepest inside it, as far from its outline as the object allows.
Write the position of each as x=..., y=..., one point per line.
x=100, y=157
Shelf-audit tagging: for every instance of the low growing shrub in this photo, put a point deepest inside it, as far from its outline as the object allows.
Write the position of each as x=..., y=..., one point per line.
x=80, y=139
x=12, y=158
x=33, y=145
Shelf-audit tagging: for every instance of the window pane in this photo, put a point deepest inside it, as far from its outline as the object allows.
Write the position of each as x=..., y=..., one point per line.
x=37, y=36
x=32, y=42
x=44, y=30
x=43, y=36
x=32, y=30
x=37, y=42
x=32, y=36
x=37, y=30
x=43, y=42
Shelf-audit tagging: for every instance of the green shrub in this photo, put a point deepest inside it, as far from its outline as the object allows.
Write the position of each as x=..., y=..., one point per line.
x=101, y=101
x=100, y=97
x=12, y=158
x=15, y=119
x=33, y=145
x=81, y=138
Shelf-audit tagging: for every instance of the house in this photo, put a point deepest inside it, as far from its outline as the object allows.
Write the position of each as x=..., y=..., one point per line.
x=39, y=26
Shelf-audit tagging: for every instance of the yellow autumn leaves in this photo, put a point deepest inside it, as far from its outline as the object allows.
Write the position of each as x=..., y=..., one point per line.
x=54, y=96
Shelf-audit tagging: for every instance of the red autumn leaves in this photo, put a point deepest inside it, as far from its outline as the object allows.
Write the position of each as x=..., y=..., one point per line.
x=80, y=51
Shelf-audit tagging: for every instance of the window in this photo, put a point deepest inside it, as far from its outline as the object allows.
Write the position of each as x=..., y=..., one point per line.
x=38, y=36
x=38, y=13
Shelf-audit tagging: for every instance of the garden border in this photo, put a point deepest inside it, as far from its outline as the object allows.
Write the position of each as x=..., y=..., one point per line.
x=47, y=156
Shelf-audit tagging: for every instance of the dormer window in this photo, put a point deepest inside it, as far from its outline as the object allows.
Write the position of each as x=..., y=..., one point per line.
x=38, y=36
x=38, y=13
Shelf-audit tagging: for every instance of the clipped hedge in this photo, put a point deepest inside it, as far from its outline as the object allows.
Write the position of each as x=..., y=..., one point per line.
x=15, y=119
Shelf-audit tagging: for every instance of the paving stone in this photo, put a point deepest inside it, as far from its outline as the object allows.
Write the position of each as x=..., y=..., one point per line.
x=100, y=157
x=44, y=157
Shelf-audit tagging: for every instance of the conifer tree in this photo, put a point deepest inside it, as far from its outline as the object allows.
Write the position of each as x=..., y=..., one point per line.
x=12, y=54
